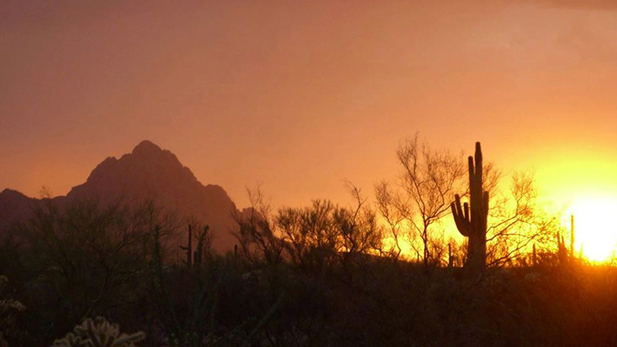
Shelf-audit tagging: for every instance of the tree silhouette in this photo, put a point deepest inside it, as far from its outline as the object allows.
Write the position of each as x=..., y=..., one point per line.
x=421, y=198
x=312, y=238
x=95, y=257
x=256, y=232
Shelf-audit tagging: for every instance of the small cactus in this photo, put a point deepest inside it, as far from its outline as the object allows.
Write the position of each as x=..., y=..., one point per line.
x=98, y=332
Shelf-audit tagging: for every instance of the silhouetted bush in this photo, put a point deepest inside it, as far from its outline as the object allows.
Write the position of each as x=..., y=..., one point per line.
x=70, y=268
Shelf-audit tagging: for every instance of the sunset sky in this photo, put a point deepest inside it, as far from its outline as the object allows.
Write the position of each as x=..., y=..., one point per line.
x=300, y=95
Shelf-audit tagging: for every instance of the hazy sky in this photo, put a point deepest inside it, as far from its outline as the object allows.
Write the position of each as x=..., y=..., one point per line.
x=299, y=95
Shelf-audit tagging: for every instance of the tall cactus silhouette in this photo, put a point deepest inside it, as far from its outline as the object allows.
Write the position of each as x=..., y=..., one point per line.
x=471, y=221
x=194, y=257
x=189, y=249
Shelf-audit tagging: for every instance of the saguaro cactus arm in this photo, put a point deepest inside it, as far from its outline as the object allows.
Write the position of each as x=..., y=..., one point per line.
x=461, y=216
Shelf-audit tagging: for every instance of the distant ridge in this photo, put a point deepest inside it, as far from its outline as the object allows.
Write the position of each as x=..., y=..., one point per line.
x=147, y=172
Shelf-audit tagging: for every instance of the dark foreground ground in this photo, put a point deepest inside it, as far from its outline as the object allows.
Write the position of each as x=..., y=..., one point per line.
x=228, y=301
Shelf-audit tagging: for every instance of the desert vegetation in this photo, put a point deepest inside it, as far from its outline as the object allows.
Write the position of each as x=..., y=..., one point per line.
x=374, y=273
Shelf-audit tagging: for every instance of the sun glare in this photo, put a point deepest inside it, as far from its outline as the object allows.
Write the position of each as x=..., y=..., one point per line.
x=595, y=227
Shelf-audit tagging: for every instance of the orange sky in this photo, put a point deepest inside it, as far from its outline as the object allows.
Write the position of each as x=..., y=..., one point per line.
x=299, y=95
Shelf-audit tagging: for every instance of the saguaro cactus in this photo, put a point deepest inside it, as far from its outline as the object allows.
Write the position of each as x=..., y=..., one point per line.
x=471, y=220
x=194, y=257
x=189, y=249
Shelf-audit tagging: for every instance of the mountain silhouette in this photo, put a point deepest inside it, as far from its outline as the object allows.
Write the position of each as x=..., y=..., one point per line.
x=14, y=207
x=148, y=172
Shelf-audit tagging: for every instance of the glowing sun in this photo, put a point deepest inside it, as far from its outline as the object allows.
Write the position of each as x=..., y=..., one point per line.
x=595, y=225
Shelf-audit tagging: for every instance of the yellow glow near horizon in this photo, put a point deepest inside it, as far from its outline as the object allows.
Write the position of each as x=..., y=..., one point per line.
x=595, y=227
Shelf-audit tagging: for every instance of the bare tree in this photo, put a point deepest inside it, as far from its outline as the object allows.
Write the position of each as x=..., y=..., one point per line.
x=392, y=213
x=313, y=238
x=310, y=235
x=421, y=197
x=516, y=221
x=358, y=227
x=323, y=234
x=256, y=231
x=93, y=253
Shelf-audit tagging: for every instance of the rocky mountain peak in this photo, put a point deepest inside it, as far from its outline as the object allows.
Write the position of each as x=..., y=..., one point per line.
x=147, y=173
x=146, y=147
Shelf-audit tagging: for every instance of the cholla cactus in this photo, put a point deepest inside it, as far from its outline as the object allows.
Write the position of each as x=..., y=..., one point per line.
x=98, y=333
x=9, y=309
x=11, y=304
x=7, y=305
